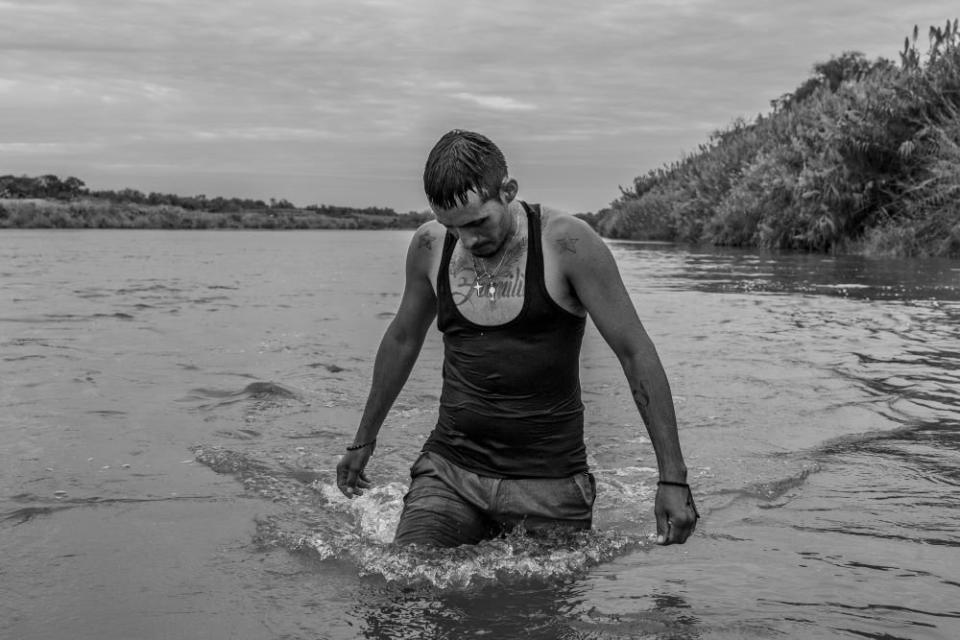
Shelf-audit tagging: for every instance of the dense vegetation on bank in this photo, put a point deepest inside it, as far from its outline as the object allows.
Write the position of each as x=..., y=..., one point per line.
x=45, y=202
x=864, y=156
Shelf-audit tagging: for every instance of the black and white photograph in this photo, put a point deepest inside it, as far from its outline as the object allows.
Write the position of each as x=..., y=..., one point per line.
x=423, y=320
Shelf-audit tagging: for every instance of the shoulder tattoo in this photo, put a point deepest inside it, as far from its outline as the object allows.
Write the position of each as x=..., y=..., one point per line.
x=425, y=242
x=568, y=244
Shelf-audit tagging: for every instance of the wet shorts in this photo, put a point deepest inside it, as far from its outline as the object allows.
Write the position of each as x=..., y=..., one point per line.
x=447, y=505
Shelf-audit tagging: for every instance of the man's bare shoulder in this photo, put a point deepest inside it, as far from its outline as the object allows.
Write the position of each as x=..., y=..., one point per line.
x=427, y=240
x=567, y=235
x=425, y=246
x=428, y=236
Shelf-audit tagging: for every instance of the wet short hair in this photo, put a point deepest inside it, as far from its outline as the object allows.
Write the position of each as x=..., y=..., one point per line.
x=460, y=162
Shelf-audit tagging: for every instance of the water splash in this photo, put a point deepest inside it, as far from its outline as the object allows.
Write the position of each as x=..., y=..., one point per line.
x=513, y=558
x=516, y=556
x=327, y=526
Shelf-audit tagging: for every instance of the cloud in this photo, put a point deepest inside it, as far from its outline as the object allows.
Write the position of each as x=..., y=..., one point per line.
x=324, y=87
x=38, y=6
x=42, y=148
x=496, y=103
x=261, y=134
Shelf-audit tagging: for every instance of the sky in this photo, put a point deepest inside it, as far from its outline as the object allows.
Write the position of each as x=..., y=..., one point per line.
x=325, y=102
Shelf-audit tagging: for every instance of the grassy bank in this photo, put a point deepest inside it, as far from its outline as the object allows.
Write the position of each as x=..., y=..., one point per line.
x=863, y=157
x=95, y=213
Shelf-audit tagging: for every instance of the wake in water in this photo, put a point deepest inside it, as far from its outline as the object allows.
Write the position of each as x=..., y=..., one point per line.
x=324, y=524
x=262, y=393
x=315, y=519
x=513, y=557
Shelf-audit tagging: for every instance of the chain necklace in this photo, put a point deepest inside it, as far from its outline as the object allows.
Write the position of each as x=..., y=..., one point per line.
x=485, y=279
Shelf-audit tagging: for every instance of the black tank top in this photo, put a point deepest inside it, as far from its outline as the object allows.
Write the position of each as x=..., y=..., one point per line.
x=510, y=405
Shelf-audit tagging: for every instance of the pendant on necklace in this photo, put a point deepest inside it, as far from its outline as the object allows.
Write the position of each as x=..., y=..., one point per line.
x=492, y=293
x=478, y=287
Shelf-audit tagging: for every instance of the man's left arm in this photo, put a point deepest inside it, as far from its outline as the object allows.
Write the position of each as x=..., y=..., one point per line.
x=593, y=274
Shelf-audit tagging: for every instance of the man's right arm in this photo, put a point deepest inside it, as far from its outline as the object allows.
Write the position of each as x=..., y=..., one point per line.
x=395, y=358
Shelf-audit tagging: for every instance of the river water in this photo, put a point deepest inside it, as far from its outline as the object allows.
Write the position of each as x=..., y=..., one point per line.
x=173, y=404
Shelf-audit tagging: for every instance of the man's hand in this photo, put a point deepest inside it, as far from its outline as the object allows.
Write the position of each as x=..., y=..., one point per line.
x=351, y=478
x=676, y=514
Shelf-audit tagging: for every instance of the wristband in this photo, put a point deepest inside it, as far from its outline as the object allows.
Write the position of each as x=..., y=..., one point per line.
x=683, y=485
x=674, y=484
x=357, y=447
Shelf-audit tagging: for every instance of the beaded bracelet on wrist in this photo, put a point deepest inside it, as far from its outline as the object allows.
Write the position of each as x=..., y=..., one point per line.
x=357, y=447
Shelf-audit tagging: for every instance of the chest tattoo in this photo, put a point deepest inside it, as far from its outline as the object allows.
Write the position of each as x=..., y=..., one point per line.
x=464, y=287
x=508, y=282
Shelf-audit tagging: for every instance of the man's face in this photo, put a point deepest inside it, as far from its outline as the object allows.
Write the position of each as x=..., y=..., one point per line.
x=481, y=226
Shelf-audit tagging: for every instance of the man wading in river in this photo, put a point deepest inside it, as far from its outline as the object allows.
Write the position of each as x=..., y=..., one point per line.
x=511, y=285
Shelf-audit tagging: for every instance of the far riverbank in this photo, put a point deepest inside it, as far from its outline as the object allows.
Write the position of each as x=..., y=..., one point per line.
x=94, y=213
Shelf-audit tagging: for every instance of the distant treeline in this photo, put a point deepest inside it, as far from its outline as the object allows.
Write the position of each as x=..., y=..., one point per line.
x=51, y=202
x=863, y=156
